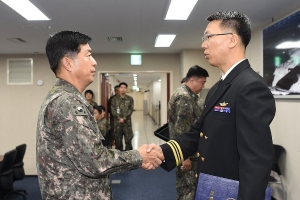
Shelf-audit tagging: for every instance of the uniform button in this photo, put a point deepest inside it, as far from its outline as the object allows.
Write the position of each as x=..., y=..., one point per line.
x=206, y=137
x=198, y=154
x=196, y=175
x=201, y=134
x=202, y=159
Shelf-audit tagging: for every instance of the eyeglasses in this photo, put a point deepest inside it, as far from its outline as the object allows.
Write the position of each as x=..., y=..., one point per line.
x=205, y=37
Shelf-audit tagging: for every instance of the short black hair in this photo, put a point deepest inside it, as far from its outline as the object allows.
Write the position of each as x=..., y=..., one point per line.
x=183, y=80
x=237, y=21
x=123, y=83
x=64, y=43
x=196, y=71
x=89, y=91
x=117, y=86
x=100, y=109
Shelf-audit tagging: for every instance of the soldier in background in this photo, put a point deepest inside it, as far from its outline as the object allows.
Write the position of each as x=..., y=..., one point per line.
x=111, y=118
x=71, y=161
x=103, y=125
x=121, y=109
x=89, y=95
x=184, y=110
x=200, y=101
x=116, y=90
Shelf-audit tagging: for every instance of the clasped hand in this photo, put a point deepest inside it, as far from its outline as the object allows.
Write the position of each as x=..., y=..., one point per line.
x=152, y=156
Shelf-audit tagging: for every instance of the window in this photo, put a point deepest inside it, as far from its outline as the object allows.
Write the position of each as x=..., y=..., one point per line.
x=20, y=71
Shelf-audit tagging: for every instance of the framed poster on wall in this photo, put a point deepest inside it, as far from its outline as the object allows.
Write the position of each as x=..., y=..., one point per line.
x=281, y=57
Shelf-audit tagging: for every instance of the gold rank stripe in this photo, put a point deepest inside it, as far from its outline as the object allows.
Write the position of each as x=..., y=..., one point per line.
x=179, y=152
x=176, y=151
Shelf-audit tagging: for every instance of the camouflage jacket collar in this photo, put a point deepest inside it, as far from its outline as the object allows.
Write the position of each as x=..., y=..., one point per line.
x=100, y=120
x=120, y=97
x=68, y=87
x=191, y=93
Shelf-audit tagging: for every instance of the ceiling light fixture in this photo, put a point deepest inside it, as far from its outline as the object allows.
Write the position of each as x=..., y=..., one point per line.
x=180, y=10
x=26, y=9
x=164, y=40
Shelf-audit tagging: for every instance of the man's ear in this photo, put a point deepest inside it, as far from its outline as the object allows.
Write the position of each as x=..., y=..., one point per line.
x=67, y=63
x=233, y=40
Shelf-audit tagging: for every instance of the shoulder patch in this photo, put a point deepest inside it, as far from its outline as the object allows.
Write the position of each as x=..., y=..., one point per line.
x=53, y=89
x=79, y=109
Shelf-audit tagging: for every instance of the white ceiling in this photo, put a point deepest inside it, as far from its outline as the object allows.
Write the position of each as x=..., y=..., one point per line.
x=137, y=21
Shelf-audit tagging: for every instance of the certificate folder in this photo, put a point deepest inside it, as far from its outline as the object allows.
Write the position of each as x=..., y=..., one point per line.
x=218, y=188
x=163, y=132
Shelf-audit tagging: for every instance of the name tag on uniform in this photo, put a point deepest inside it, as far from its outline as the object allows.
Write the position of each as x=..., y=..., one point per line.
x=222, y=109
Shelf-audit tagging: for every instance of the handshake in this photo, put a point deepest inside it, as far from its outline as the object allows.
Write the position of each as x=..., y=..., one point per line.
x=152, y=156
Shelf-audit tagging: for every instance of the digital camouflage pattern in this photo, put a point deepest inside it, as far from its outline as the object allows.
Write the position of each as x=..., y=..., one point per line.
x=125, y=106
x=71, y=160
x=93, y=103
x=111, y=118
x=106, y=131
x=184, y=109
x=103, y=126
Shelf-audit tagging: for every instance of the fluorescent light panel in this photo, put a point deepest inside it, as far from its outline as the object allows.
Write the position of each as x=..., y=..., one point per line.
x=164, y=40
x=288, y=45
x=180, y=9
x=26, y=9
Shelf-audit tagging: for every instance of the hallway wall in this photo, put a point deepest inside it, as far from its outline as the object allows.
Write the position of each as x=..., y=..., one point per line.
x=20, y=104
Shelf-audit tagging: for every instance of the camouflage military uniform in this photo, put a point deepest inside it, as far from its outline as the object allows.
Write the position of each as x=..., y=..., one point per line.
x=93, y=103
x=184, y=109
x=104, y=128
x=111, y=118
x=122, y=108
x=71, y=160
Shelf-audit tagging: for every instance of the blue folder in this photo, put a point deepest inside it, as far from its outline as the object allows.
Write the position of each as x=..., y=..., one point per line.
x=218, y=188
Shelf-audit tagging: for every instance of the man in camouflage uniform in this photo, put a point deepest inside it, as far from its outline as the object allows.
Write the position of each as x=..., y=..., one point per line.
x=184, y=108
x=103, y=125
x=111, y=118
x=71, y=160
x=200, y=101
x=121, y=109
x=89, y=95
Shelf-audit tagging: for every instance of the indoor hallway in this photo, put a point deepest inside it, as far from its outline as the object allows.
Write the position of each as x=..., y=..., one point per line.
x=140, y=184
x=143, y=129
